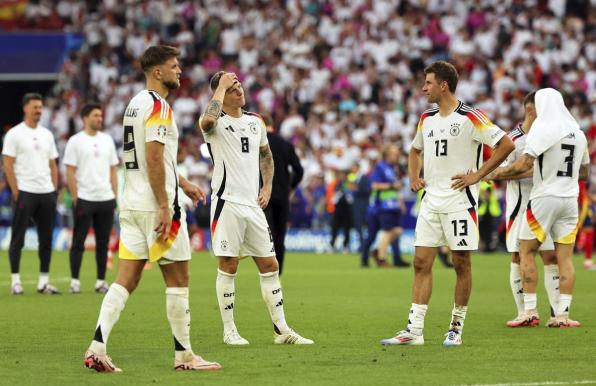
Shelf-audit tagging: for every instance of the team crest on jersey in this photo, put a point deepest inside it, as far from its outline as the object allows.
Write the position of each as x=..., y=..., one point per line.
x=224, y=245
x=253, y=127
x=162, y=131
x=454, y=131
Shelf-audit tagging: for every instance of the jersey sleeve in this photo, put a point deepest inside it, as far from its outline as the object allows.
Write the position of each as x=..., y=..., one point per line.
x=70, y=153
x=418, y=142
x=264, y=141
x=158, y=122
x=9, y=146
x=484, y=131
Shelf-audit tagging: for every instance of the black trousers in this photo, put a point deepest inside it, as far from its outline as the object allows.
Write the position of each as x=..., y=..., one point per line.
x=341, y=219
x=101, y=215
x=41, y=208
x=277, y=213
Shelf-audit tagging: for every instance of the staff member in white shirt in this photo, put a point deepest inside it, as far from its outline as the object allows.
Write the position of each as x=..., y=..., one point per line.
x=29, y=155
x=91, y=160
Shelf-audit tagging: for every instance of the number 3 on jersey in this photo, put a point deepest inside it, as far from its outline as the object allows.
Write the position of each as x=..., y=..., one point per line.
x=130, y=153
x=441, y=147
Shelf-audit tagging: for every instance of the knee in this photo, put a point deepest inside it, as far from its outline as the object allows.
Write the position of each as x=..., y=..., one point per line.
x=461, y=263
x=422, y=265
x=228, y=265
x=268, y=265
x=130, y=284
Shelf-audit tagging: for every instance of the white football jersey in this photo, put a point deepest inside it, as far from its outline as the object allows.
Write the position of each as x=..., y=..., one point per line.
x=556, y=171
x=452, y=145
x=234, y=148
x=518, y=191
x=148, y=117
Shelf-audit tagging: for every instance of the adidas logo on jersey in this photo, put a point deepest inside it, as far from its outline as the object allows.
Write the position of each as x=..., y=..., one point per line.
x=462, y=243
x=230, y=128
x=431, y=134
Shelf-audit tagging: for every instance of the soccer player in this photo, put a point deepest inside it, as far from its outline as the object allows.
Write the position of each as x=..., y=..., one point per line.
x=517, y=196
x=237, y=142
x=153, y=227
x=556, y=149
x=91, y=160
x=451, y=137
x=30, y=165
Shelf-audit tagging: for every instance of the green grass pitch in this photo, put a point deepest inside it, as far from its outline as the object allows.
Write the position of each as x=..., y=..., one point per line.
x=328, y=298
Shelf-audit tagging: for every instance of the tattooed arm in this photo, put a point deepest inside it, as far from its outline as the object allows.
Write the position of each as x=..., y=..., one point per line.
x=266, y=166
x=208, y=120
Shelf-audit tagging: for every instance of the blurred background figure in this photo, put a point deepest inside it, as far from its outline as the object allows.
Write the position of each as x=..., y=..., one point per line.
x=340, y=207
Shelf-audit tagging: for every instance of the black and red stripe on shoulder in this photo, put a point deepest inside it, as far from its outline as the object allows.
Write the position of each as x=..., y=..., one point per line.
x=426, y=114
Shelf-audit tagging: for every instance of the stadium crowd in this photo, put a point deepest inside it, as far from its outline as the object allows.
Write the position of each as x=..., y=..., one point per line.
x=340, y=78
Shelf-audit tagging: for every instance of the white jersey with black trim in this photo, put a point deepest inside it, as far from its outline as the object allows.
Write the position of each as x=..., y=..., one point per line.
x=234, y=148
x=453, y=145
x=518, y=191
x=556, y=170
x=147, y=118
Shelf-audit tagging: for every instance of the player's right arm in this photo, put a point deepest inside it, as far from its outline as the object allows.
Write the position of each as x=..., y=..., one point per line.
x=415, y=160
x=9, y=152
x=208, y=120
x=499, y=175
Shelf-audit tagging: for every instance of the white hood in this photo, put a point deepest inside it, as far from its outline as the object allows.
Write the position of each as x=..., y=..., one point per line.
x=553, y=122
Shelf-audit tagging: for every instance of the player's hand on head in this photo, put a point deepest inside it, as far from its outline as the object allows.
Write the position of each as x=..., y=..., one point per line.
x=417, y=184
x=229, y=80
x=163, y=223
x=463, y=180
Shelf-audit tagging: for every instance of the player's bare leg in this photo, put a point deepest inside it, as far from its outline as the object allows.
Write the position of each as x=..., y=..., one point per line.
x=129, y=275
x=175, y=276
x=273, y=297
x=566, y=283
x=462, y=263
x=528, y=249
x=423, y=282
x=226, y=295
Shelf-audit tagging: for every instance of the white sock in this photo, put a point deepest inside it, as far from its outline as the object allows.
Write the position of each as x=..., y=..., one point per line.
x=551, y=283
x=416, y=318
x=15, y=278
x=271, y=291
x=458, y=317
x=226, y=294
x=44, y=278
x=563, y=305
x=99, y=282
x=178, y=312
x=113, y=303
x=516, y=287
x=529, y=302
x=75, y=282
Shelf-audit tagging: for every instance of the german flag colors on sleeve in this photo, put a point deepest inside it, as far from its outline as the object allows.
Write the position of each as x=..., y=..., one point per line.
x=159, y=121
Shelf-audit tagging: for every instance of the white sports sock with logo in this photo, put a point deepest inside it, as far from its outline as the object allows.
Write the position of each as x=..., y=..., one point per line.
x=529, y=302
x=178, y=312
x=15, y=278
x=226, y=294
x=563, y=305
x=44, y=278
x=111, y=307
x=416, y=318
x=271, y=291
x=551, y=283
x=458, y=317
x=516, y=287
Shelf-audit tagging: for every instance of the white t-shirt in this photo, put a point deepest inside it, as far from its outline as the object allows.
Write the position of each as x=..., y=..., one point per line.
x=148, y=118
x=93, y=156
x=453, y=145
x=32, y=149
x=518, y=191
x=556, y=171
x=234, y=147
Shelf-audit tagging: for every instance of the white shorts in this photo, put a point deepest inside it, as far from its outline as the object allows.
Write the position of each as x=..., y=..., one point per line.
x=138, y=240
x=554, y=216
x=512, y=233
x=239, y=230
x=458, y=230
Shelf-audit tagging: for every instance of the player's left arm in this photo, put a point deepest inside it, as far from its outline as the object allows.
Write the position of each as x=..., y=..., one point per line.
x=584, y=169
x=266, y=166
x=499, y=174
x=54, y=173
x=114, y=180
x=193, y=191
